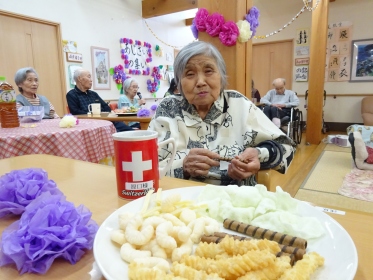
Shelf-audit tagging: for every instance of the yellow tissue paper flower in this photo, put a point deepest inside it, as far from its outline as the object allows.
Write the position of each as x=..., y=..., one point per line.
x=68, y=121
x=245, y=32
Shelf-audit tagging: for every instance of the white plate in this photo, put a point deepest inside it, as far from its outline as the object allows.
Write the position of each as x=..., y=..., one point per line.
x=336, y=246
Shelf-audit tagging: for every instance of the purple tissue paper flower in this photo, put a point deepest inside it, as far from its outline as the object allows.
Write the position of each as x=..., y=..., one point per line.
x=50, y=228
x=143, y=113
x=194, y=29
x=20, y=187
x=253, y=18
x=154, y=107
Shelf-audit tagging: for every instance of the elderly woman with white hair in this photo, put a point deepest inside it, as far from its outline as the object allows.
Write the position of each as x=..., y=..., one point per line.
x=221, y=136
x=27, y=81
x=130, y=89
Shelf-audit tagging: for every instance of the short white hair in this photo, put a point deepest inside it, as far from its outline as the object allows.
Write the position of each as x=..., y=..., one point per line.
x=77, y=73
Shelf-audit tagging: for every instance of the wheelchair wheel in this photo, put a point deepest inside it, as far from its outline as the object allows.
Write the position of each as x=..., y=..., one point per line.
x=297, y=129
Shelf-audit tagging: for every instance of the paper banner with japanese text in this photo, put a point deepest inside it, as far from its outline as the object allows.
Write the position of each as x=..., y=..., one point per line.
x=338, y=60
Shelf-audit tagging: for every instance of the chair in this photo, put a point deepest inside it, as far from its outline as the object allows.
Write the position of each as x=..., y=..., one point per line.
x=367, y=110
x=113, y=105
x=292, y=125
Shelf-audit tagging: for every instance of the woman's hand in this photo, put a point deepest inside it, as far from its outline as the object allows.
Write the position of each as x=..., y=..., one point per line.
x=142, y=101
x=239, y=170
x=198, y=162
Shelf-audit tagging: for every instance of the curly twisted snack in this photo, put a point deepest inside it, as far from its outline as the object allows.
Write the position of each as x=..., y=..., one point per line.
x=303, y=269
x=233, y=267
x=271, y=272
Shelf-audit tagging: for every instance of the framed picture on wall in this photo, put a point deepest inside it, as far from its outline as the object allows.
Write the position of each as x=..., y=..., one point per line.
x=100, y=68
x=362, y=60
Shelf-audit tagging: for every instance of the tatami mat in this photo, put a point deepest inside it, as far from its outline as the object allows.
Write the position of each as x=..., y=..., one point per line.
x=328, y=173
x=322, y=184
x=335, y=148
x=335, y=201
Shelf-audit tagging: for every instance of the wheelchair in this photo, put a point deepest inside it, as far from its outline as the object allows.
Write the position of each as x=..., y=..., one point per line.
x=292, y=125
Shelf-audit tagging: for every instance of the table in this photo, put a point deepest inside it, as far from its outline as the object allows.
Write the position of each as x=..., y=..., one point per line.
x=100, y=186
x=90, y=140
x=144, y=121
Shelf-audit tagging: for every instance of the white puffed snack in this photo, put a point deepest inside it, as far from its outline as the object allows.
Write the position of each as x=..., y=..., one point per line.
x=163, y=236
x=129, y=253
x=187, y=215
x=117, y=235
x=136, y=237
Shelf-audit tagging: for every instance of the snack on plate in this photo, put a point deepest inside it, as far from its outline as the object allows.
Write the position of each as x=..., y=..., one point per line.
x=258, y=232
x=218, y=237
x=157, y=243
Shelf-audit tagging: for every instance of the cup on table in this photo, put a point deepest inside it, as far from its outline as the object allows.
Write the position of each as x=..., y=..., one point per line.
x=94, y=108
x=136, y=162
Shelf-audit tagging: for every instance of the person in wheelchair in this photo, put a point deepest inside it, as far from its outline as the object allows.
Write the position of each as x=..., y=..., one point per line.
x=279, y=101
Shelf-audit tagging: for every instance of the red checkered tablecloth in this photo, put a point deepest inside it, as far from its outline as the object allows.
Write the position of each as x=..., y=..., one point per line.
x=90, y=140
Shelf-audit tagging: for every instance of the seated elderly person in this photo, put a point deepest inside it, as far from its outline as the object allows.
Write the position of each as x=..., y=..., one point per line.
x=27, y=80
x=211, y=125
x=279, y=102
x=81, y=96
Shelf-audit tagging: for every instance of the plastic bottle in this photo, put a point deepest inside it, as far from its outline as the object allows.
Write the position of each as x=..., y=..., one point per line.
x=8, y=107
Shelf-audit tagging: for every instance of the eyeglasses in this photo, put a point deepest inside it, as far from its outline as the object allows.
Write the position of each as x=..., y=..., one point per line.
x=135, y=87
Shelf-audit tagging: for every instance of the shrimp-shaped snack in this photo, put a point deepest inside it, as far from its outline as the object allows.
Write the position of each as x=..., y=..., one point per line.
x=157, y=251
x=123, y=219
x=129, y=253
x=154, y=221
x=153, y=262
x=185, y=249
x=202, y=225
x=187, y=215
x=163, y=236
x=168, y=204
x=117, y=235
x=173, y=219
x=181, y=233
x=136, y=237
x=211, y=226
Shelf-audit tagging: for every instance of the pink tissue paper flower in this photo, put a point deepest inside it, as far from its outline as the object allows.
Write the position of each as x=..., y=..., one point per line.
x=200, y=19
x=229, y=33
x=214, y=23
x=50, y=228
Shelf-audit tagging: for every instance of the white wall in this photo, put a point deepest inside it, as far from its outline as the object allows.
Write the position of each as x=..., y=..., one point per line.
x=275, y=14
x=102, y=23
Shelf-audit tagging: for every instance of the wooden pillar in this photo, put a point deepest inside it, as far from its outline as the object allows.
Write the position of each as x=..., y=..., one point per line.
x=238, y=57
x=317, y=72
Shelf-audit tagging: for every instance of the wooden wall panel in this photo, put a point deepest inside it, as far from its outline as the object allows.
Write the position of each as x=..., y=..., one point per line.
x=30, y=42
x=270, y=61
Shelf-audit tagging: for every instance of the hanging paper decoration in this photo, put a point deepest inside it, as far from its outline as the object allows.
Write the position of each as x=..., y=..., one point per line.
x=119, y=76
x=154, y=82
x=158, y=51
x=136, y=56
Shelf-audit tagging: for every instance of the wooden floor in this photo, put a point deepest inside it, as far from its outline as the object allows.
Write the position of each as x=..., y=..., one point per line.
x=305, y=157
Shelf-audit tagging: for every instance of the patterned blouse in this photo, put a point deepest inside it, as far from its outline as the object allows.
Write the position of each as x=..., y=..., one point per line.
x=233, y=124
